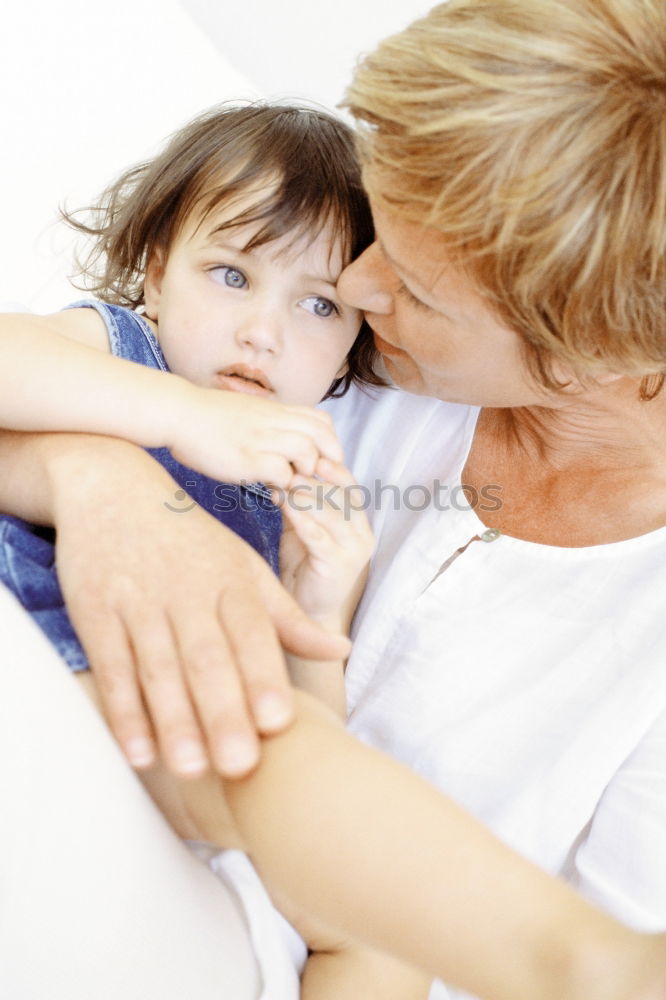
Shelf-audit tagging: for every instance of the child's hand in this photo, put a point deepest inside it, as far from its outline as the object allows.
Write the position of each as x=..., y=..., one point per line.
x=235, y=437
x=326, y=545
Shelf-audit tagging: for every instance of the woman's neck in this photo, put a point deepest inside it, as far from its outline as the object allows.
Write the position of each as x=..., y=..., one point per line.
x=588, y=471
x=607, y=428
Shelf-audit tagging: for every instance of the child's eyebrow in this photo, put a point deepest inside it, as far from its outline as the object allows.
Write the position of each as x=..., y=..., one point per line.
x=216, y=239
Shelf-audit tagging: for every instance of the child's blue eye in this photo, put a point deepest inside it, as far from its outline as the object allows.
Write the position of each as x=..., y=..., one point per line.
x=319, y=306
x=230, y=276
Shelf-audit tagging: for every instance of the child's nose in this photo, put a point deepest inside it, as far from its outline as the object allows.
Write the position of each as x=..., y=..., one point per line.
x=364, y=283
x=261, y=330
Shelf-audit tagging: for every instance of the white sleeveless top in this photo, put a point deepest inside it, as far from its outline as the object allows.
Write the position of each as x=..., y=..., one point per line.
x=527, y=681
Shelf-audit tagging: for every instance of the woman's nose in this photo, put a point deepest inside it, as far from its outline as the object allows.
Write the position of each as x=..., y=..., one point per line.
x=364, y=285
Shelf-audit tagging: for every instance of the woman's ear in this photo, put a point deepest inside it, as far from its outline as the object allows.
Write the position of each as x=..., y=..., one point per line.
x=152, y=282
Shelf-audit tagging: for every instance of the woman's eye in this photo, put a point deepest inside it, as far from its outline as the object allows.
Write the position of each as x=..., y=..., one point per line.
x=319, y=306
x=229, y=276
x=409, y=295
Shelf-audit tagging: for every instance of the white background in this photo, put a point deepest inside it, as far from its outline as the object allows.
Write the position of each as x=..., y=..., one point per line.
x=89, y=88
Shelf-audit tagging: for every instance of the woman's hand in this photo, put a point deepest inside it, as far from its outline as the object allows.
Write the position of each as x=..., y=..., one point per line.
x=182, y=622
x=236, y=437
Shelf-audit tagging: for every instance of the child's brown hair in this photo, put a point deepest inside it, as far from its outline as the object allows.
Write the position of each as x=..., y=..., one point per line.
x=308, y=154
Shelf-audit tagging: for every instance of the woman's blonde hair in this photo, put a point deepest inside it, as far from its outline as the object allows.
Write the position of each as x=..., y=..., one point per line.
x=532, y=134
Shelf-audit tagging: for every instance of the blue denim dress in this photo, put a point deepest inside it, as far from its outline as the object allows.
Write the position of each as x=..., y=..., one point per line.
x=27, y=552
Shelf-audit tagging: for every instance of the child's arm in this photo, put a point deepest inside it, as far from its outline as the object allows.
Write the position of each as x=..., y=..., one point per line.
x=326, y=547
x=324, y=555
x=52, y=380
x=339, y=968
x=354, y=837
x=354, y=971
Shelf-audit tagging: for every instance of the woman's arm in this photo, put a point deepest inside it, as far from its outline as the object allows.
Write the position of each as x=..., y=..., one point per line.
x=175, y=613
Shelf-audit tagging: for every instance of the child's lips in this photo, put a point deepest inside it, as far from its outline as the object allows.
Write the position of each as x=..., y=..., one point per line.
x=242, y=378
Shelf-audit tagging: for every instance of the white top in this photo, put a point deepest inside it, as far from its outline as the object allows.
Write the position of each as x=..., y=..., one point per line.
x=525, y=680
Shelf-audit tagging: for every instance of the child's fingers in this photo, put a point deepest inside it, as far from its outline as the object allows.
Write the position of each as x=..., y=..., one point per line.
x=297, y=446
x=284, y=457
x=318, y=428
x=258, y=434
x=335, y=473
x=340, y=511
x=351, y=497
x=318, y=541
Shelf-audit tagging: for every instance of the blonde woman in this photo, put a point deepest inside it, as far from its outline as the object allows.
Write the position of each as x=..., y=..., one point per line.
x=513, y=652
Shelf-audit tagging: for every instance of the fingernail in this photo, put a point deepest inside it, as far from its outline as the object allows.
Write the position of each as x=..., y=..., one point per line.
x=189, y=757
x=237, y=755
x=271, y=711
x=140, y=751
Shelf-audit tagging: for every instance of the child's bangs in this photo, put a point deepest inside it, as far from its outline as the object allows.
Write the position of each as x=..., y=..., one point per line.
x=288, y=206
x=302, y=165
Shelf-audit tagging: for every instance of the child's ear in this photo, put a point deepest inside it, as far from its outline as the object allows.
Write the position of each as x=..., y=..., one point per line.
x=152, y=282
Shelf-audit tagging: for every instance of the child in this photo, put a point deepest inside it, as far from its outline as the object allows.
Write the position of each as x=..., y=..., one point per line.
x=241, y=252
x=231, y=242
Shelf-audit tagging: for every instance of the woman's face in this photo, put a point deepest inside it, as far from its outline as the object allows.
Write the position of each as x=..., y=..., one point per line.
x=435, y=333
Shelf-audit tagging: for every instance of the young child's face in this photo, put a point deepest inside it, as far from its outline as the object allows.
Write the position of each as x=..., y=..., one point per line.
x=267, y=322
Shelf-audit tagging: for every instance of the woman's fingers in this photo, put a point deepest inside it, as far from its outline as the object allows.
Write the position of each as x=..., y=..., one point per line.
x=257, y=651
x=218, y=688
x=118, y=688
x=161, y=679
x=181, y=620
x=296, y=632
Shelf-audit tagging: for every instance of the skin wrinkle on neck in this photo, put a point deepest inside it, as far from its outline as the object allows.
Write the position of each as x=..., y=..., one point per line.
x=605, y=429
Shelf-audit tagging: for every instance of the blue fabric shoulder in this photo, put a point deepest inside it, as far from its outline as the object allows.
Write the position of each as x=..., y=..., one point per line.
x=27, y=551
